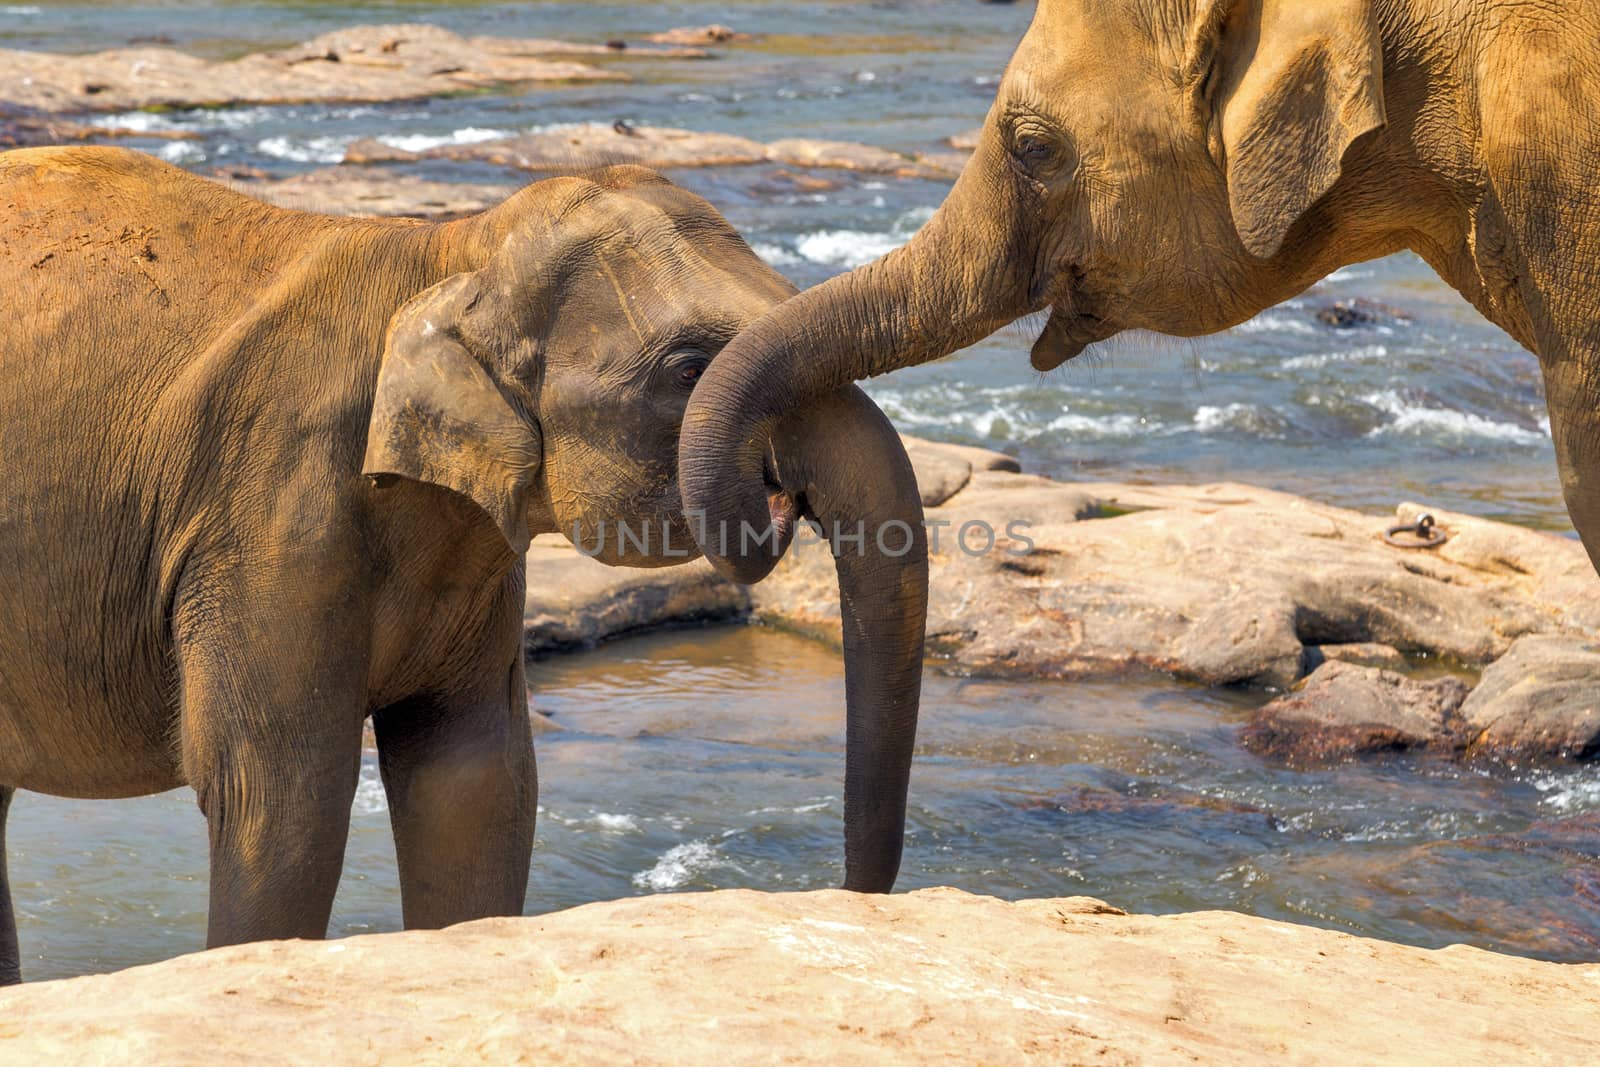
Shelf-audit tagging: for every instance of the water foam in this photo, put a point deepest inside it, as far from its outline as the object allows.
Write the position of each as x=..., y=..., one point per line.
x=309, y=150
x=854, y=248
x=421, y=142
x=680, y=864
x=1420, y=419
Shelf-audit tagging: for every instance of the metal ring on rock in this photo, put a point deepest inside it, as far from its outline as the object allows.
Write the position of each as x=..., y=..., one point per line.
x=1424, y=533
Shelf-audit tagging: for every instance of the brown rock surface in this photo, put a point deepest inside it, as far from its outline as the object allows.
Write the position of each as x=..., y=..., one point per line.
x=593, y=144
x=1345, y=710
x=363, y=63
x=1542, y=698
x=1220, y=584
x=369, y=191
x=828, y=977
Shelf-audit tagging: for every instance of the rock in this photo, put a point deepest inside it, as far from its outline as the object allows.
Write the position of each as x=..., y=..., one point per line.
x=1360, y=312
x=697, y=35
x=944, y=470
x=1344, y=710
x=595, y=144
x=577, y=602
x=1541, y=699
x=27, y=130
x=967, y=140
x=738, y=977
x=1220, y=584
x=364, y=63
x=369, y=191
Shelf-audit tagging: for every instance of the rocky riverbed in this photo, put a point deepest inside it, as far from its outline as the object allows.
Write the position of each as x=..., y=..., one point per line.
x=1225, y=585
x=823, y=977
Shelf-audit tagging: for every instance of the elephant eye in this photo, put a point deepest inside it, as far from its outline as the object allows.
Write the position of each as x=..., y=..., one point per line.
x=685, y=367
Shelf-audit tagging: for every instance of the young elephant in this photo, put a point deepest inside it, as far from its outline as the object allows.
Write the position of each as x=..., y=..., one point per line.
x=264, y=474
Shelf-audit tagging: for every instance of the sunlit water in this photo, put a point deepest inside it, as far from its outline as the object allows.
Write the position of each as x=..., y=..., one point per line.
x=712, y=758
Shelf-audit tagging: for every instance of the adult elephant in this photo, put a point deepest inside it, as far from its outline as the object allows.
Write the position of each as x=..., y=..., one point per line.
x=1180, y=165
x=264, y=474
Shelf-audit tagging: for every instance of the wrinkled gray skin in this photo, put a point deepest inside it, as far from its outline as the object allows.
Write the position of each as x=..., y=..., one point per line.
x=1179, y=165
x=265, y=474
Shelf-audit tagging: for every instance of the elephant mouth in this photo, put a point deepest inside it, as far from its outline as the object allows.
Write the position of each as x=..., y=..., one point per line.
x=783, y=507
x=1066, y=335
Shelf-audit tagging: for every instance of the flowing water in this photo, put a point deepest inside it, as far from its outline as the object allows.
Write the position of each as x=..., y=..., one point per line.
x=713, y=758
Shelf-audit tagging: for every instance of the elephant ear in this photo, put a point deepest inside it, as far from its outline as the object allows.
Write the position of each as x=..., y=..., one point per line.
x=441, y=417
x=1291, y=85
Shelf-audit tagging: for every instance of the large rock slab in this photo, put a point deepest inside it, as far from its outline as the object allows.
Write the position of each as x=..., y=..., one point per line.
x=830, y=977
x=1345, y=709
x=586, y=145
x=363, y=63
x=1222, y=584
x=1542, y=698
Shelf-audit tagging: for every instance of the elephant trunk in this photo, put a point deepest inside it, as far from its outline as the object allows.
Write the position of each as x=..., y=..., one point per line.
x=844, y=463
x=949, y=287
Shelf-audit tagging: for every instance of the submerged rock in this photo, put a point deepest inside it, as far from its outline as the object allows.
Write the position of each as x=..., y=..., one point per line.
x=1344, y=710
x=738, y=976
x=1540, y=699
x=716, y=33
x=363, y=63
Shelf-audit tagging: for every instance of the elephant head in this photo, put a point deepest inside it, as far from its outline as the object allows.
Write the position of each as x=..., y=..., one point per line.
x=549, y=386
x=1172, y=166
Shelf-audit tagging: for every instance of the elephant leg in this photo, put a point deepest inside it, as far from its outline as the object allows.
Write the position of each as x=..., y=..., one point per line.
x=274, y=690
x=1572, y=391
x=462, y=788
x=10, y=956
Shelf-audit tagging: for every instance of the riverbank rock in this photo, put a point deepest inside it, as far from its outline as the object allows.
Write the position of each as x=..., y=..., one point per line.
x=31, y=130
x=345, y=190
x=1344, y=709
x=592, y=144
x=1540, y=699
x=739, y=976
x=360, y=64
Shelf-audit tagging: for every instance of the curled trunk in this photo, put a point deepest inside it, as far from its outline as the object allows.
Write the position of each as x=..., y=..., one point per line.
x=844, y=462
x=952, y=285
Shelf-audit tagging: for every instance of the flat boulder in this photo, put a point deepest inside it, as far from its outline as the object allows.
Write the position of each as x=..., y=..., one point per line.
x=594, y=144
x=1344, y=710
x=1220, y=584
x=716, y=33
x=1541, y=699
x=738, y=976
x=363, y=63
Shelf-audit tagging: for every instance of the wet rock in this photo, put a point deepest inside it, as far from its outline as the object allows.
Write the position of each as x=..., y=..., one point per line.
x=715, y=33
x=1541, y=699
x=1221, y=584
x=1356, y=313
x=27, y=130
x=784, y=976
x=364, y=63
x=585, y=145
x=1344, y=710
x=369, y=191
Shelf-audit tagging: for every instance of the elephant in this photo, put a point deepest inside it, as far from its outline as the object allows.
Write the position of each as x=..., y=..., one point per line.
x=266, y=475
x=1179, y=166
